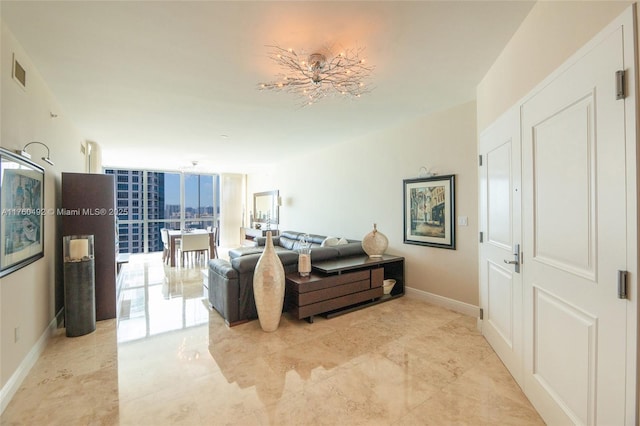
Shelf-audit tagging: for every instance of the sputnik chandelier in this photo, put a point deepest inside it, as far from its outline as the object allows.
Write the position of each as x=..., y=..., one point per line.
x=315, y=76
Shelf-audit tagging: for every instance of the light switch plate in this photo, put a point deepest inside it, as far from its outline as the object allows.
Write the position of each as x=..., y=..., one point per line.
x=463, y=221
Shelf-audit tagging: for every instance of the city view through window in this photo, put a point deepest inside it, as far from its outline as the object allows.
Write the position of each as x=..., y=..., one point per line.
x=148, y=201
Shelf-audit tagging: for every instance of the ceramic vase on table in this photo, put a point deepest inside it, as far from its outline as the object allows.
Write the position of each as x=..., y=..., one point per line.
x=375, y=243
x=268, y=287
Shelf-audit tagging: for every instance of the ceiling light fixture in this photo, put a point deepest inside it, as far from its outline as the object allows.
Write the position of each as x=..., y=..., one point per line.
x=318, y=75
x=25, y=154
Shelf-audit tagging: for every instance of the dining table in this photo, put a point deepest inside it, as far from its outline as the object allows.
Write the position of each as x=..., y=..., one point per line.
x=175, y=234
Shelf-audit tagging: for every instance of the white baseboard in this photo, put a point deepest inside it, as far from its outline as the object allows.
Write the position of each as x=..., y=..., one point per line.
x=445, y=302
x=13, y=384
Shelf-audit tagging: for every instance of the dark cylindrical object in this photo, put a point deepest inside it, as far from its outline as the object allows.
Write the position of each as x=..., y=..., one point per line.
x=79, y=285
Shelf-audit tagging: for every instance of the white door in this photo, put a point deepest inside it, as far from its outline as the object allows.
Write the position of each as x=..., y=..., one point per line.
x=501, y=282
x=574, y=229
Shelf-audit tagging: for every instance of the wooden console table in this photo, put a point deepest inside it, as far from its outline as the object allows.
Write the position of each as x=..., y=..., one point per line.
x=343, y=285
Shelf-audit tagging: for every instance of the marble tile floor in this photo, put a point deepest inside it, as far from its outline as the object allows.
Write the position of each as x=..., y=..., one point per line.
x=169, y=360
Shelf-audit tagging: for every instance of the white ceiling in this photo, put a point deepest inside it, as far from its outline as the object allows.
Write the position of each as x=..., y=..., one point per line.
x=158, y=83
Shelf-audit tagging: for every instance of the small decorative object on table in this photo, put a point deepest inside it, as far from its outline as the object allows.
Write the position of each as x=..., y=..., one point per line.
x=304, y=257
x=387, y=286
x=375, y=243
x=268, y=287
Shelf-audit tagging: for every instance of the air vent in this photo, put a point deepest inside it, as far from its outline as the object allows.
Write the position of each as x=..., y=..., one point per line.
x=19, y=73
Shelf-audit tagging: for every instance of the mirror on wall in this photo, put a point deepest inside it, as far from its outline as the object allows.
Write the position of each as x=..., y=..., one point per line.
x=265, y=207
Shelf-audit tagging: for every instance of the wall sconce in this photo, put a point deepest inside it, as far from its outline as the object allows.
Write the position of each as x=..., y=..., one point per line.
x=425, y=172
x=24, y=152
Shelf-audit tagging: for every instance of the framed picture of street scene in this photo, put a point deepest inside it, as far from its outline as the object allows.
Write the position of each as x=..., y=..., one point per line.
x=429, y=211
x=22, y=219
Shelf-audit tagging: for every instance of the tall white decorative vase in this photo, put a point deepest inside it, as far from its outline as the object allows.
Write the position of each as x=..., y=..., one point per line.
x=268, y=287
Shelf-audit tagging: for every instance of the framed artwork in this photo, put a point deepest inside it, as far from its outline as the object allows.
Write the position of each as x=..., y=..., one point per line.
x=22, y=212
x=429, y=211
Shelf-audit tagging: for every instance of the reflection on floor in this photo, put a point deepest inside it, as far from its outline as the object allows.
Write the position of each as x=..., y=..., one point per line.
x=169, y=360
x=157, y=300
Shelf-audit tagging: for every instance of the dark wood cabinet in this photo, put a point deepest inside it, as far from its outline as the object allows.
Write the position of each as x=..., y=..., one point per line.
x=89, y=203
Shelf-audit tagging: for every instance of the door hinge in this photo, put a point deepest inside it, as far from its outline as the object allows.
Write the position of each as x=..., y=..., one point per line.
x=622, y=284
x=481, y=237
x=620, y=85
x=480, y=160
x=481, y=313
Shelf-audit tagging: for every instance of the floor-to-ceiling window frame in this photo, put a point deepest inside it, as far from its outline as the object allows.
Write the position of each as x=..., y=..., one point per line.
x=150, y=200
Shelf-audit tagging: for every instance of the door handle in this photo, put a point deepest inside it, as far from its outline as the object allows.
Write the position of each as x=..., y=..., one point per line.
x=516, y=258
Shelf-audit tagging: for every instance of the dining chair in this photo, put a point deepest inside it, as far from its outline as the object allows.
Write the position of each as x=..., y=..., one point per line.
x=196, y=243
x=167, y=250
x=164, y=236
x=213, y=235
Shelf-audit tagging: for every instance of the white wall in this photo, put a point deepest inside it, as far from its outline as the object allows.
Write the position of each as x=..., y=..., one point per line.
x=341, y=190
x=549, y=35
x=28, y=296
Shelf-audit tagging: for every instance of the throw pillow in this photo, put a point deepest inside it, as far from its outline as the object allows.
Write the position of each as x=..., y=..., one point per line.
x=329, y=241
x=342, y=241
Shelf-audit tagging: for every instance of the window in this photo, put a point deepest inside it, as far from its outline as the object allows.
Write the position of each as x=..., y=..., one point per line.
x=162, y=200
x=198, y=199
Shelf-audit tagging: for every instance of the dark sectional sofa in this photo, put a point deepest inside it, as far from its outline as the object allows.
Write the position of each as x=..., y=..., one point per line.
x=231, y=283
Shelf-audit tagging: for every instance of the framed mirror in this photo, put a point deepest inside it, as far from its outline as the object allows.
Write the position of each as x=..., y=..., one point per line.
x=265, y=207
